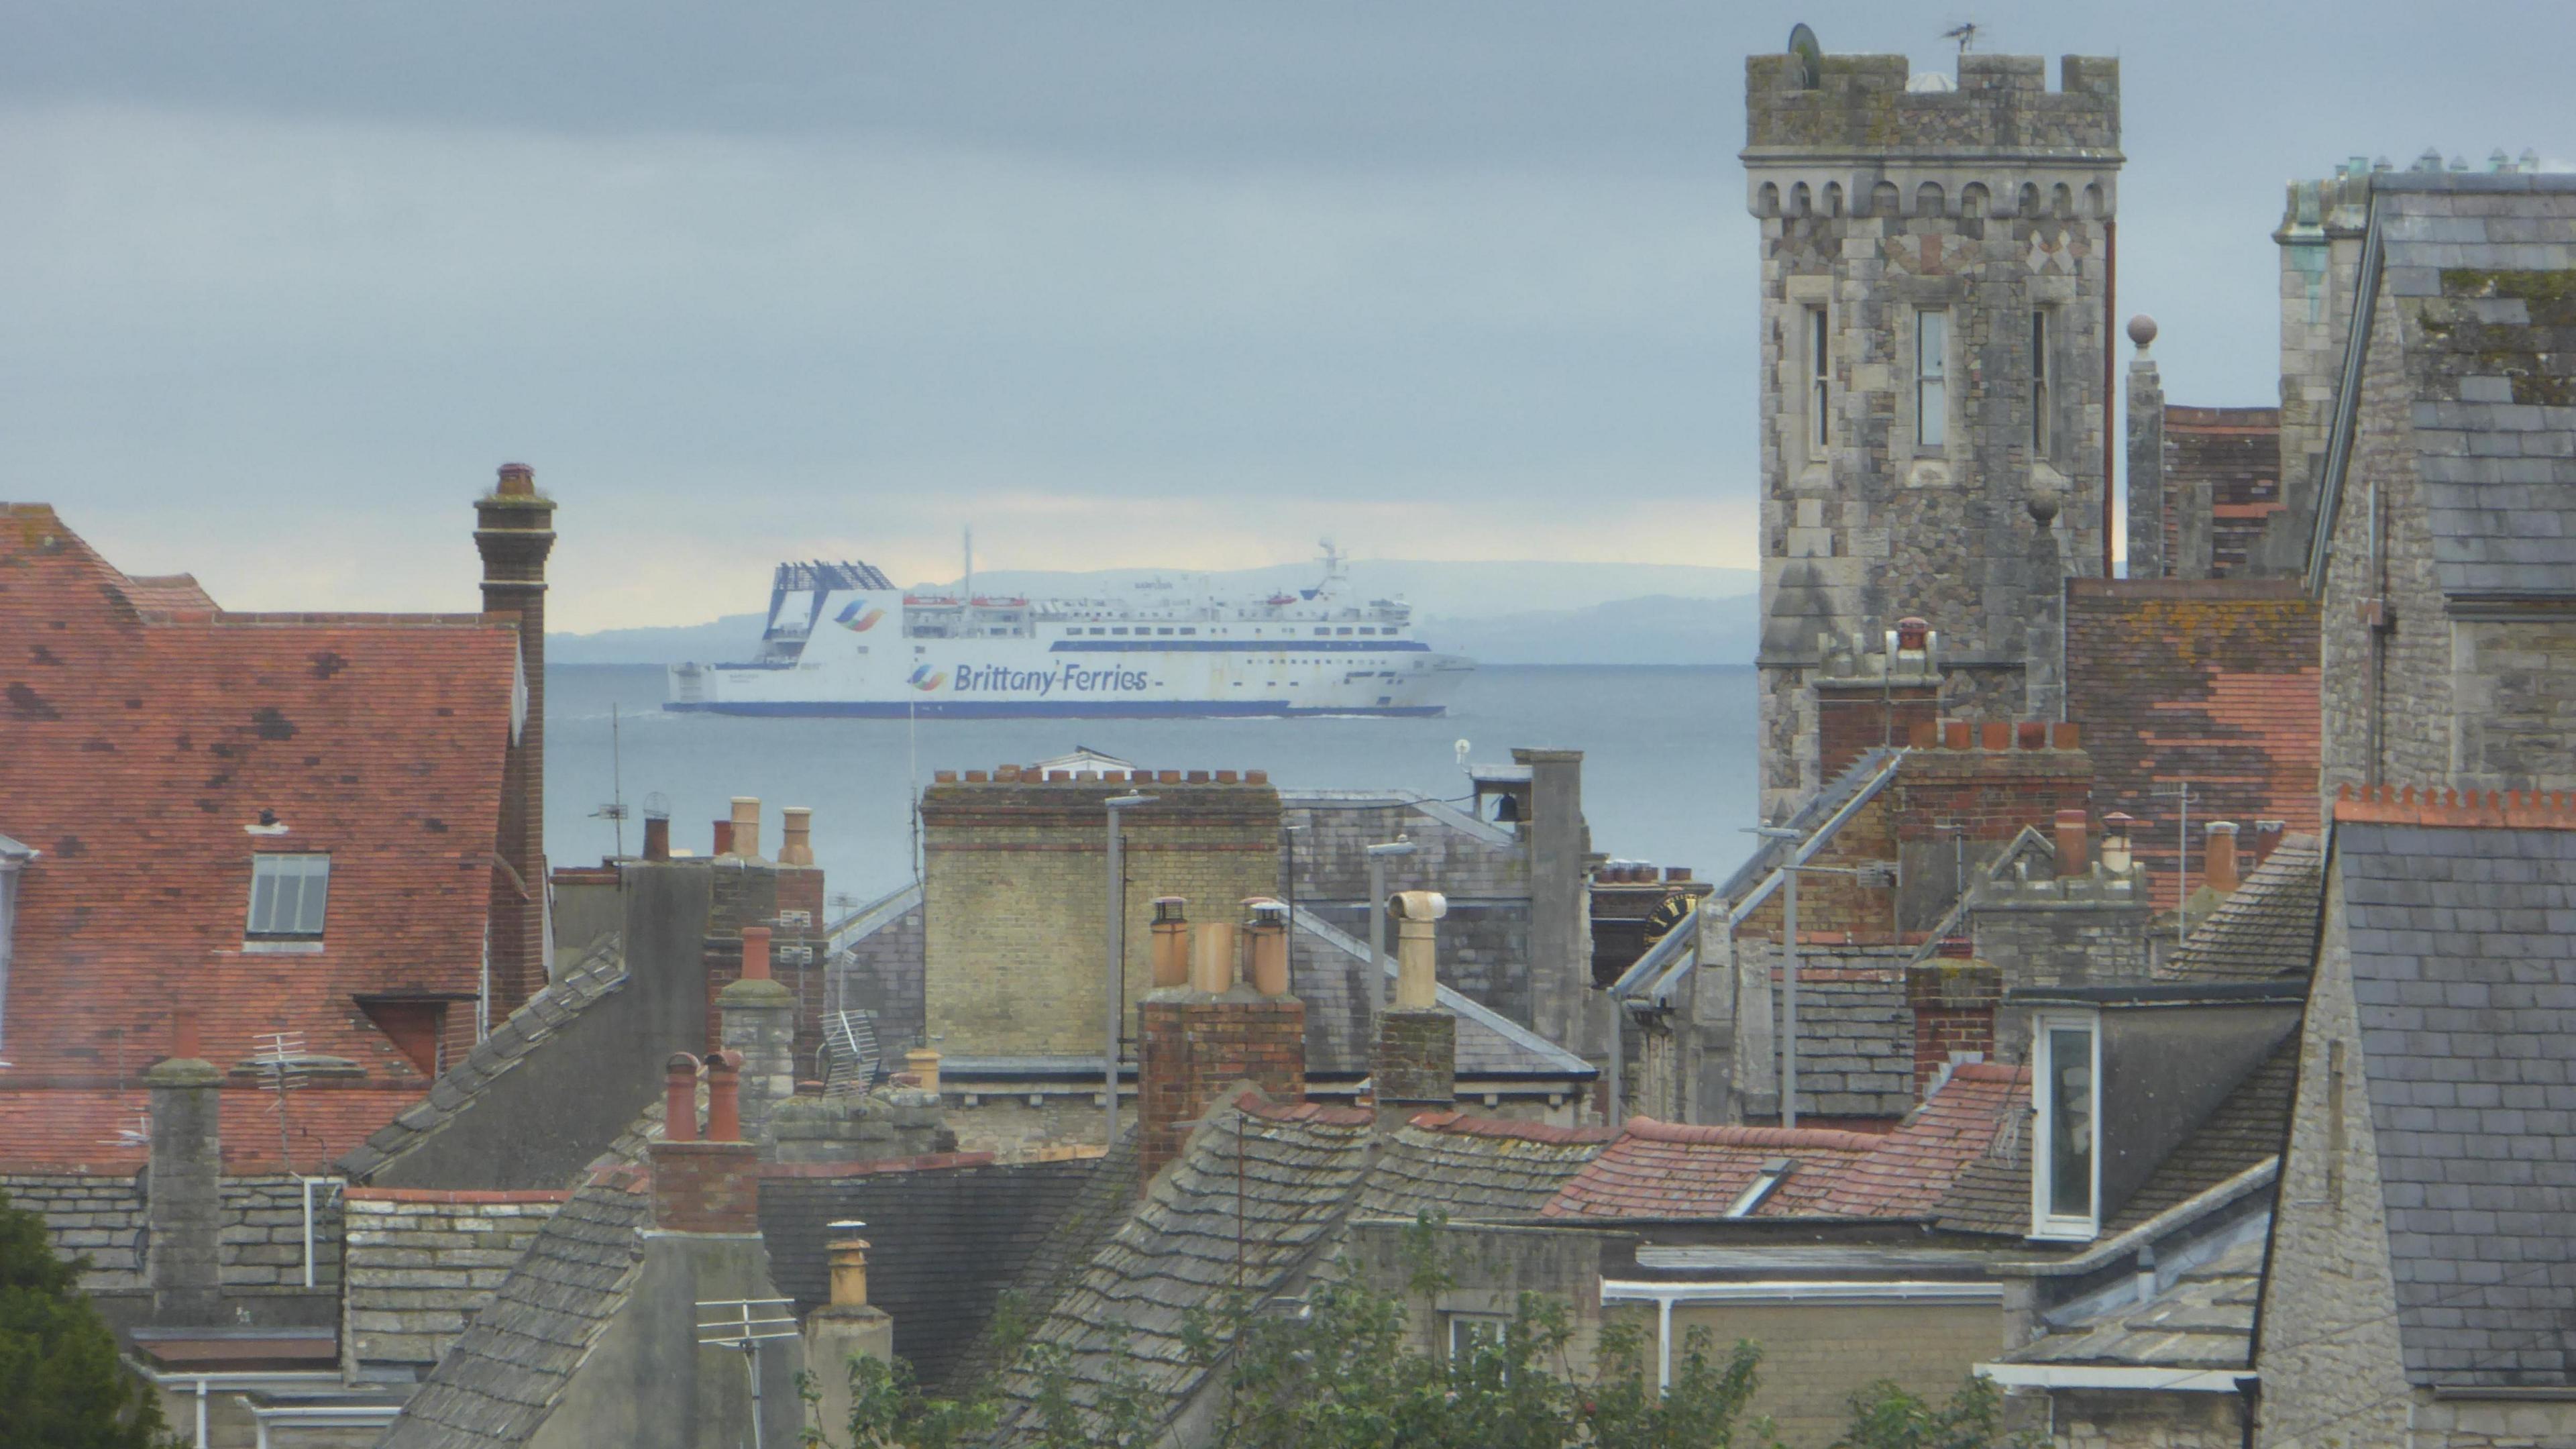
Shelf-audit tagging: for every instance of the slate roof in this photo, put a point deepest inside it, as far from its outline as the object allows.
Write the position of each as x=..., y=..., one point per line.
x=946, y=1235
x=138, y=739
x=1331, y=977
x=600, y=971
x=1992, y=1193
x=2268, y=929
x=1477, y=1169
x=509, y=1368
x=2480, y=271
x=1271, y=1183
x=2237, y=452
x=1855, y=1034
x=2204, y=1319
x=2459, y=941
x=1071, y=1238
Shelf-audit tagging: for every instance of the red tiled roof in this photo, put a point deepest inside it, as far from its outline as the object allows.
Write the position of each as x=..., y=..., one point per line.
x=2503, y=810
x=1911, y=1167
x=1464, y=1125
x=1666, y=1170
x=137, y=740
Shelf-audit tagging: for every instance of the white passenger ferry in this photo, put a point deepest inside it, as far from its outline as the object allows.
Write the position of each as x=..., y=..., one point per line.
x=842, y=640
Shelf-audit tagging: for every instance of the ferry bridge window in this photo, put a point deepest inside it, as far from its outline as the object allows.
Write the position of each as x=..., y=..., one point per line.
x=1323, y=631
x=1346, y=631
x=1158, y=631
x=1121, y=629
x=1185, y=631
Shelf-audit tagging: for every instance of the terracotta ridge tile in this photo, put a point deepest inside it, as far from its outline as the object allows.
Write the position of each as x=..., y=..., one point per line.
x=2508, y=810
x=1647, y=1129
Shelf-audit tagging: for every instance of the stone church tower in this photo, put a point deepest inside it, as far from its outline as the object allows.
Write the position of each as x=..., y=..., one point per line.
x=1936, y=323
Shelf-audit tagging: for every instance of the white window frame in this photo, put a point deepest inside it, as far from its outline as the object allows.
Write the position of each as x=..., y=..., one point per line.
x=268, y=866
x=2045, y=1220
x=1932, y=378
x=2043, y=382
x=1817, y=344
x=1470, y=1326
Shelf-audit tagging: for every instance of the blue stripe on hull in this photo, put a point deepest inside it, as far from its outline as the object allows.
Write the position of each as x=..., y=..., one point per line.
x=1037, y=709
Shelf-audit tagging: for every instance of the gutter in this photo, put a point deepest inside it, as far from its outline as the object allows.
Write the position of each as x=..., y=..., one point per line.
x=181, y=1381
x=2133, y=1377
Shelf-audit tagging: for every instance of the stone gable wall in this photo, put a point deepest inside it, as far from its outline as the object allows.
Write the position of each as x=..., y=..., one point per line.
x=421, y=1263
x=261, y=1234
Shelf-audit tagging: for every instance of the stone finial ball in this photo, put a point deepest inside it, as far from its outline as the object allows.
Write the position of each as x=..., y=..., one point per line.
x=2142, y=329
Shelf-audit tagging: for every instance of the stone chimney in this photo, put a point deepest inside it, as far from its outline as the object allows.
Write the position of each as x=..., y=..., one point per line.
x=1560, y=907
x=184, y=1202
x=2218, y=862
x=2071, y=854
x=1414, y=1063
x=710, y=1186
x=759, y=1025
x=2146, y=456
x=846, y=1329
x=514, y=531
x=1198, y=1039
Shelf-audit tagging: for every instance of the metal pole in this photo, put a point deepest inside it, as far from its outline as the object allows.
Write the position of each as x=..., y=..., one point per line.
x=1377, y=938
x=751, y=1361
x=1611, y=1109
x=1114, y=986
x=1789, y=1001
x=1114, y=981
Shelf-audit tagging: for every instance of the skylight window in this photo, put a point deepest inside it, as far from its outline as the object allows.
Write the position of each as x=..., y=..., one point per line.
x=1765, y=1182
x=288, y=894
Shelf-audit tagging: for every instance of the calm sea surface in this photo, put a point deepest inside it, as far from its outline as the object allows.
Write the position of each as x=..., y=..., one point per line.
x=1667, y=772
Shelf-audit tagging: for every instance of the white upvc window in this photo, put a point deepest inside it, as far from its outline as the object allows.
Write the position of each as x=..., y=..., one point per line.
x=1820, y=377
x=1932, y=378
x=288, y=896
x=2066, y=1127
x=1471, y=1332
x=2043, y=381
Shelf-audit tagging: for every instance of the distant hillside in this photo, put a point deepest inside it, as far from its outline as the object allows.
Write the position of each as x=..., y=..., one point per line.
x=1656, y=629
x=1499, y=613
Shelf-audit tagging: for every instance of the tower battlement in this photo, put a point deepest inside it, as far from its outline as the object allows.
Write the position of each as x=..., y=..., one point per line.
x=1861, y=105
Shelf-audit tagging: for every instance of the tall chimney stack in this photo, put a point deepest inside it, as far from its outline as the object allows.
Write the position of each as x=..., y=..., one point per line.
x=759, y=1025
x=709, y=1186
x=1197, y=1039
x=1414, y=1064
x=184, y=1203
x=514, y=531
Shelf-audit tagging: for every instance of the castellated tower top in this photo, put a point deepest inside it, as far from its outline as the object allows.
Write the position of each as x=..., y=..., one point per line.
x=2002, y=105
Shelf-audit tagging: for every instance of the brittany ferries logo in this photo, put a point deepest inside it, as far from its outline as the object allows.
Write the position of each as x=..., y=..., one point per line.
x=858, y=617
x=926, y=678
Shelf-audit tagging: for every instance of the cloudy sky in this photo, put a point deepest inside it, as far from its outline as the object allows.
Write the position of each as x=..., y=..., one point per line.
x=1119, y=283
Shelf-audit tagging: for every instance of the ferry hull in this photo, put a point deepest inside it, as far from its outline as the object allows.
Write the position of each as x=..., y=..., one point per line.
x=1043, y=709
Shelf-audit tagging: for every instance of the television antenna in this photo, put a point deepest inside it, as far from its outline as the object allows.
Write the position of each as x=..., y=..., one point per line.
x=281, y=1064
x=1964, y=32
x=615, y=810
x=743, y=1325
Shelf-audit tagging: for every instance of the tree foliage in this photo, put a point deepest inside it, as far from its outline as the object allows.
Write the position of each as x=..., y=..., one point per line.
x=1886, y=1416
x=60, y=1384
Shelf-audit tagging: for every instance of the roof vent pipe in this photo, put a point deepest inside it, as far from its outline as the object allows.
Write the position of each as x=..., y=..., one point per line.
x=1171, y=945
x=1417, y=975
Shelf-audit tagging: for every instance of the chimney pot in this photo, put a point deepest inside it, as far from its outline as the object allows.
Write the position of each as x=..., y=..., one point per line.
x=2071, y=859
x=1417, y=957
x=746, y=826
x=1198, y=777
x=2031, y=734
x=1923, y=734
x=1256, y=777
x=1212, y=958
x=923, y=1063
x=1995, y=734
x=1954, y=734
x=517, y=480
x=1171, y=943
x=1225, y=777
x=724, y=838
x=796, y=835
x=1058, y=777
x=2218, y=869
x=724, y=1101
x=184, y=1045
x=2066, y=734
x=680, y=1098
x=1168, y=777
x=657, y=837
x=978, y=777
x=1266, y=924
x=755, y=953
x=1912, y=633
x=849, y=1271
x=2116, y=857
x=1677, y=874
x=943, y=777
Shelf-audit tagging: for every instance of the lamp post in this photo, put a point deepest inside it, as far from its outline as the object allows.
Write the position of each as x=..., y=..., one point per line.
x=1116, y=980
x=1377, y=855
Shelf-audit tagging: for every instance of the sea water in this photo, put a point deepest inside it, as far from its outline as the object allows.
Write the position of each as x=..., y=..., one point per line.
x=1668, y=768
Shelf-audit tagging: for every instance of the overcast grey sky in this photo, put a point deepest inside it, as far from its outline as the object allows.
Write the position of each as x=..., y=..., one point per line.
x=1173, y=284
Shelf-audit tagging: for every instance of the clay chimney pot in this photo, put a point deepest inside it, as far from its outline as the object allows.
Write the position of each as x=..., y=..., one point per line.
x=724, y=1097
x=1171, y=943
x=2219, y=863
x=680, y=1098
x=2071, y=853
x=755, y=953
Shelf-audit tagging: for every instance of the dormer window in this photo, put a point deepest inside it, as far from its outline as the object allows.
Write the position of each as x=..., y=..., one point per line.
x=287, y=896
x=2066, y=1163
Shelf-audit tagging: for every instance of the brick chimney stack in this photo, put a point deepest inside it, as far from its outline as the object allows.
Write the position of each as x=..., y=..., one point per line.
x=514, y=531
x=1414, y=1063
x=759, y=1026
x=1197, y=1039
x=184, y=1205
x=710, y=1186
x=846, y=1328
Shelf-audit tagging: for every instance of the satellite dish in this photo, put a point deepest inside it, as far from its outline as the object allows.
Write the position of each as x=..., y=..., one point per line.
x=1811, y=56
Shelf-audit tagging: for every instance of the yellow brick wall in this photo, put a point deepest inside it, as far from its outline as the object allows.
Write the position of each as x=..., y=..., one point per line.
x=1015, y=884
x=1815, y=1358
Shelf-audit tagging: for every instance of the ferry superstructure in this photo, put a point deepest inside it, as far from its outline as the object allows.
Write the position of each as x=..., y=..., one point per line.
x=842, y=640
